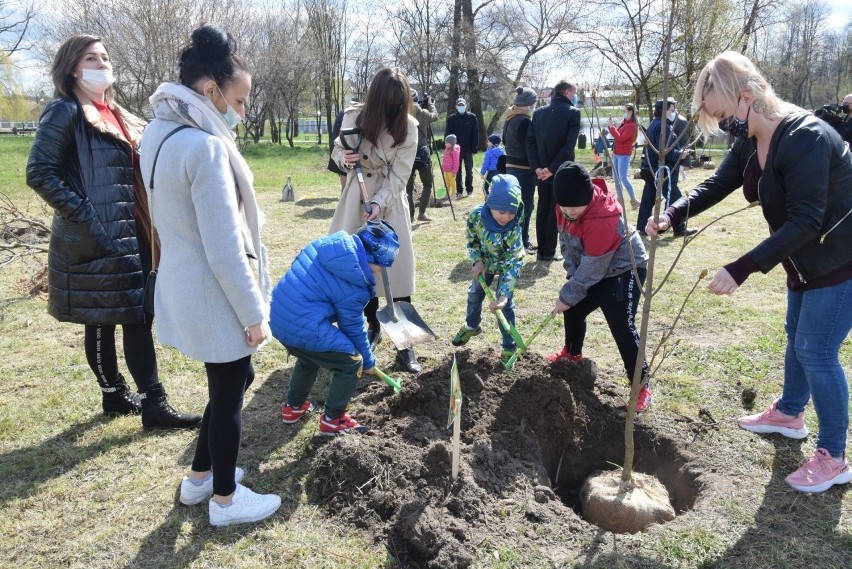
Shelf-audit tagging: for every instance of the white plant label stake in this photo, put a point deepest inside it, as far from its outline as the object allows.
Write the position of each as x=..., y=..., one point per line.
x=454, y=417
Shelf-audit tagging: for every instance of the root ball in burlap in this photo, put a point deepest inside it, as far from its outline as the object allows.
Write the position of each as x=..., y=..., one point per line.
x=624, y=508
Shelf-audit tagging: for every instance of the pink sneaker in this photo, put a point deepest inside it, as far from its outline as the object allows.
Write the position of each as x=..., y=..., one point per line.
x=820, y=473
x=774, y=421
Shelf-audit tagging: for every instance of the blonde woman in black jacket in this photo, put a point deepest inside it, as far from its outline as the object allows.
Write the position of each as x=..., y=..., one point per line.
x=800, y=171
x=83, y=163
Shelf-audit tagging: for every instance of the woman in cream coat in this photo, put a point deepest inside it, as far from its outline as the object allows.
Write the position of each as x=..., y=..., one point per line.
x=388, y=143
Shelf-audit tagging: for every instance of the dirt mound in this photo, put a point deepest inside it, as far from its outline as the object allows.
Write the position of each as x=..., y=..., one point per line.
x=523, y=433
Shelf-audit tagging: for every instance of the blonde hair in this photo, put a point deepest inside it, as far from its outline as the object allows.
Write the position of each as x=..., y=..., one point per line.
x=728, y=75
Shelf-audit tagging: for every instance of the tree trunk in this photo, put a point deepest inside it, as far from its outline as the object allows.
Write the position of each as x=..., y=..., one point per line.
x=455, y=66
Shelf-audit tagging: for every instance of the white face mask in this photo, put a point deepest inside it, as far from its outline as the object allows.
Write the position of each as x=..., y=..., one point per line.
x=96, y=80
x=625, y=116
x=672, y=115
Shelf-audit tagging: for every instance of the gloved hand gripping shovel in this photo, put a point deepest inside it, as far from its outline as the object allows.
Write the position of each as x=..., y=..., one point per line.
x=522, y=350
x=344, y=133
x=501, y=318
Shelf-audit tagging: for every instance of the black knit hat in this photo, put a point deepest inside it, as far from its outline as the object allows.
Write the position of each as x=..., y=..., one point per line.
x=572, y=185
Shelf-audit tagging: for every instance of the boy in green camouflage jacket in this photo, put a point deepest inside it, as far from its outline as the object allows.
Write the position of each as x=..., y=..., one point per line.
x=496, y=249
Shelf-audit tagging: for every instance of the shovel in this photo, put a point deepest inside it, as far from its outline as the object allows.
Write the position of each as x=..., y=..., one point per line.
x=395, y=383
x=501, y=318
x=511, y=361
x=365, y=199
x=400, y=320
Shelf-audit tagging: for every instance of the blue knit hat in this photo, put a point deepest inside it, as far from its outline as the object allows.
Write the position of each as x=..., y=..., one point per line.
x=494, y=139
x=380, y=241
x=505, y=193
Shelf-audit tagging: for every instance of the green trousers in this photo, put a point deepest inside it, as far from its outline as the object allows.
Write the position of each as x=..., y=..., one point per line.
x=345, y=371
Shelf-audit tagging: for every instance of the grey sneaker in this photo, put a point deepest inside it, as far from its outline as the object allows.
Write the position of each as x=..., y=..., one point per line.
x=246, y=506
x=191, y=494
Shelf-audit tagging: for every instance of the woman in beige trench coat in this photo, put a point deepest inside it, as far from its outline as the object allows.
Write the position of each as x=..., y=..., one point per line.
x=388, y=143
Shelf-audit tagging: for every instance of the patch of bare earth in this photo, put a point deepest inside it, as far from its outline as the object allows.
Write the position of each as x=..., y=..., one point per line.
x=530, y=437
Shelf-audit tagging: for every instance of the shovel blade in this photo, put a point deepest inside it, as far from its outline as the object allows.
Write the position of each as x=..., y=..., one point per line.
x=407, y=329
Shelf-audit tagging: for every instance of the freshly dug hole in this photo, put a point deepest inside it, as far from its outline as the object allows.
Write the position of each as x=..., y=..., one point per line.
x=529, y=439
x=625, y=507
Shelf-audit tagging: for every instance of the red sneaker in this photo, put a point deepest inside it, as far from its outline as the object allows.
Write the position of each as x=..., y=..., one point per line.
x=290, y=414
x=343, y=424
x=645, y=398
x=564, y=356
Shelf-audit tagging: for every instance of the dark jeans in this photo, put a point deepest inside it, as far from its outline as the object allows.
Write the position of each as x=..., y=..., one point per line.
x=139, y=354
x=649, y=193
x=618, y=299
x=545, y=220
x=345, y=371
x=222, y=423
x=467, y=159
x=427, y=181
x=527, y=180
x=475, y=298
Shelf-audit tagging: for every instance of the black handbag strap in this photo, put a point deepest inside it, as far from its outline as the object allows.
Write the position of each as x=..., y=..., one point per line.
x=157, y=155
x=154, y=261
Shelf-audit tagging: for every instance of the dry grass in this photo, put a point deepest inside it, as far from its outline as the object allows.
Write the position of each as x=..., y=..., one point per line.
x=81, y=490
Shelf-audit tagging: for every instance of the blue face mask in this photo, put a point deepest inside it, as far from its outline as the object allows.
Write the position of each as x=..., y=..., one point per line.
x=461, y=109
x=574, y=100
x=232, y=117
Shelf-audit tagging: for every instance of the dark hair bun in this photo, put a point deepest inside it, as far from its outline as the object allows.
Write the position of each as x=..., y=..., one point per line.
x=211, y=43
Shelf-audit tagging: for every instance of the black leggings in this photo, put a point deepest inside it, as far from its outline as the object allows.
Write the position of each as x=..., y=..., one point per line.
x=373, y=307
x=139, y=354
x=222, y=422
x=618, y=299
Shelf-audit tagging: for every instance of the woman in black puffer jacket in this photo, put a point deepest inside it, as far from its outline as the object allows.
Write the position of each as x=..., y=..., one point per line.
x=83, y=164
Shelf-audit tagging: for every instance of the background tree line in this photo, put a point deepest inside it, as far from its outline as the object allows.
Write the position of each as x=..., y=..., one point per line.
x=311, y=56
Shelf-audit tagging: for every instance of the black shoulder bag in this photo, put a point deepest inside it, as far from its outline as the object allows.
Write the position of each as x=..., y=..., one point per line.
x=151, y=279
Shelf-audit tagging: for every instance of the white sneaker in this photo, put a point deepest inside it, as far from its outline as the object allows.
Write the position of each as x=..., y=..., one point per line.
x=191, y=494
x=246, y=506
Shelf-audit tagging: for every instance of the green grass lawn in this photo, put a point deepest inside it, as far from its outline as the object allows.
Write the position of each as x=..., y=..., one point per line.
x=81, y=490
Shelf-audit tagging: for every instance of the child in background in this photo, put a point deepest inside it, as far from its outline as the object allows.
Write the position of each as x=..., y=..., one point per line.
x=489, y=163
x=450, y=164
x=330, y=282
x=601, y=144
x=597, y=252
x=495, y=247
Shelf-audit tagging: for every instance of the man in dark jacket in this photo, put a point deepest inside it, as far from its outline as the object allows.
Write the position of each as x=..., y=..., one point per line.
x=845, y=127
x=465, y=126
x=650, y=163
x=514, y=138
x=424, y=117
x=550, y=141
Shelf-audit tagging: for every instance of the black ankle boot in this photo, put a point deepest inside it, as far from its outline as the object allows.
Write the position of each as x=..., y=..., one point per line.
x=407, y=360
x=158, y=414
x=374, y=335
x=119, y=400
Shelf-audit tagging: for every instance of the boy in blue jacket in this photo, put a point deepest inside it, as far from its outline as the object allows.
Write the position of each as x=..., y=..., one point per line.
x=489, y=163
x=496, y=248
x=330, y=281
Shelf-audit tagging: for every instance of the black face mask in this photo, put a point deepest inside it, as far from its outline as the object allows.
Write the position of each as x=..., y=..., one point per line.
x=735, y=126
x=846, y=107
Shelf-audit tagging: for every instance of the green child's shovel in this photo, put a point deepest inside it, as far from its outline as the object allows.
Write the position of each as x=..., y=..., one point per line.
x=395, y=383
x=522, y=350
x=501, y=318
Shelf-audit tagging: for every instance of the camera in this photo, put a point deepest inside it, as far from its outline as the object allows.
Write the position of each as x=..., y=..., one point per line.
x=830, y=114
x=424, y=100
